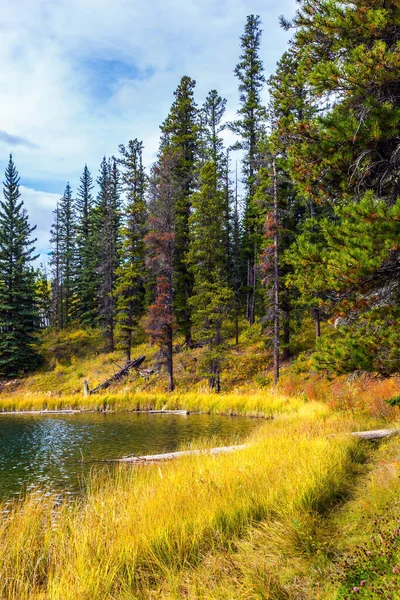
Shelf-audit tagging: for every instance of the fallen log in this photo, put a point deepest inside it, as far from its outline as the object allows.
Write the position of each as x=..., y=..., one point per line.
x=61, y=411
x=165, y=412
x=376, y=434
x=132, y=364
x=171, y=455
x=154, y=458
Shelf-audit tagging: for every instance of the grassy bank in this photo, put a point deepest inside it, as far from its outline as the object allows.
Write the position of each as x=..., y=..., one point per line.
x=144, y=532
x=71, y=356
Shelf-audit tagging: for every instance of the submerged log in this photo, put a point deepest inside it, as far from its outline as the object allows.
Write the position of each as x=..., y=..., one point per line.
x=132, y=364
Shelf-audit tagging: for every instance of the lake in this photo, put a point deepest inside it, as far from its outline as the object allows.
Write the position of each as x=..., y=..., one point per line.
x=43, y=453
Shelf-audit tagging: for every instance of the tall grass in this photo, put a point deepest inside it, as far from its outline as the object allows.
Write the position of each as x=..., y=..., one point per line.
x=139, y=531
x=261, y=404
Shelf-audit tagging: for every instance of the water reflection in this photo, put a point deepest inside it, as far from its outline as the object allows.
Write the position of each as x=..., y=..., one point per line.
x=43, y=453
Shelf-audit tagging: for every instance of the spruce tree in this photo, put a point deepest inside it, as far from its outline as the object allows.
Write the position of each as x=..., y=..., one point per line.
x=213, y=111
x=180, y=139
x=67, y=253
x=212, y=298
x=106, y=243
x=19, y=319
x=130, y=275
x=57, y=312
x=86, y=277
x=160, y=243
x=250, y=126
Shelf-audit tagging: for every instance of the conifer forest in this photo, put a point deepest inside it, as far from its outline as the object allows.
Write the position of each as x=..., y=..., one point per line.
x=200, y=383
x=299, y=216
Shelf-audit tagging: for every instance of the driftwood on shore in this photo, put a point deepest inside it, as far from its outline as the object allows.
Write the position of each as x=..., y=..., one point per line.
x=132, y=458
x=376, y=434
x=132, y=364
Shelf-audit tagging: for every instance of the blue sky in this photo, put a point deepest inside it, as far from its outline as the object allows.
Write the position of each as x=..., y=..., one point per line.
x=79, y=77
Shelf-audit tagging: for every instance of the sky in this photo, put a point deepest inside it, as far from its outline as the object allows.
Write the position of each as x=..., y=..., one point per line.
x=79, y=77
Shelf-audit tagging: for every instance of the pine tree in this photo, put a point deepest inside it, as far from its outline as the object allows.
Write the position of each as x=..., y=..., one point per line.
x=338, y=94
x=350, y=62
x=160, y=243
x=352, y=264
x=19, y=320
x=212, y=297
x=250, y=126
x=291, y=105
x=86, y=277
x=180, y=138
x=129, y=287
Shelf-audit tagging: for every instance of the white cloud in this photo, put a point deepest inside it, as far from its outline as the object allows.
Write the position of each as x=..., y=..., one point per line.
x=40, y=206
x=52, y=95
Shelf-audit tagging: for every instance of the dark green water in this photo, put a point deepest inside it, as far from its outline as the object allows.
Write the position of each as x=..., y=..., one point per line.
x=42, y=453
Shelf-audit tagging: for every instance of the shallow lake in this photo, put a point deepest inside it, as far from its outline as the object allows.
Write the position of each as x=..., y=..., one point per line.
x=43, y=453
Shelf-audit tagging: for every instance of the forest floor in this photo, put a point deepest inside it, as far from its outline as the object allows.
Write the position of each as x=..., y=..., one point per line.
x=304, y=512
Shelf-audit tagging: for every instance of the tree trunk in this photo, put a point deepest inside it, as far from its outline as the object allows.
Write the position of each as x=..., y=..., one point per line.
x=286, y=336
x=276, y=278
x=170, y=364
x=236, y=259
x=251, y=283
x=317, y=318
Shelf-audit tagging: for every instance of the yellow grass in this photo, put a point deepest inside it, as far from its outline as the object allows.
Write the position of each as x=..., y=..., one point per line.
x=141, y=530
x=262, y=404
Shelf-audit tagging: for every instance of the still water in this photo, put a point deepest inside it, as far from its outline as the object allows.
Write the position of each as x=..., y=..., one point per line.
x=43, y=453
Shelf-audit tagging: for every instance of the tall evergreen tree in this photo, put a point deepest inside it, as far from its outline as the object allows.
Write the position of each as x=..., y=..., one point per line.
x=129, y=287
x=160, y=243
x=250, y=126
x=212, y=297
x=268, y=193
x=86, y=277
x=180, y=137
x=213, y=111
x=107, y=224
x=67, y=253
x=57, y=312
x=19, y=320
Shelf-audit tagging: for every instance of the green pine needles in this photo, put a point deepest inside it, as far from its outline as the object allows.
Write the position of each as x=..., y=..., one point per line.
x=19, y=319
